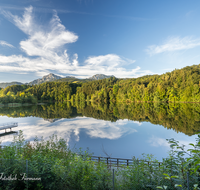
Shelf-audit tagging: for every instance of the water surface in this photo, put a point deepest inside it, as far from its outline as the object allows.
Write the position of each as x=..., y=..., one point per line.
x=121, y=131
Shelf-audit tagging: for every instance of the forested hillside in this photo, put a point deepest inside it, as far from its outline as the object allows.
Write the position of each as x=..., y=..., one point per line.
x=180, y=85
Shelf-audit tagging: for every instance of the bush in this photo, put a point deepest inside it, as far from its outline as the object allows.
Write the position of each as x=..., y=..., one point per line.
x=51, y=164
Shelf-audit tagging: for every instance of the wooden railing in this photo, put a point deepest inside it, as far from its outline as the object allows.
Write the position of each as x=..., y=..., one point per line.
x=121, y=162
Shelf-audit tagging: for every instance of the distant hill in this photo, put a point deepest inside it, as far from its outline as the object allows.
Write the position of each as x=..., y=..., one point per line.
x=100, y=76
x=72, y=79
x=4, y=85
x=47, y=78
x=52, y=77
x=94, y=77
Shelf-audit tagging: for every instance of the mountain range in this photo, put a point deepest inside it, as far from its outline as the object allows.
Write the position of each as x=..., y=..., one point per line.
x=52, y=77
x=5, y=84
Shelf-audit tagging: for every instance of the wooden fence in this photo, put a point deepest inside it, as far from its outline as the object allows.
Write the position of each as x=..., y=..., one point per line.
x=121, y=162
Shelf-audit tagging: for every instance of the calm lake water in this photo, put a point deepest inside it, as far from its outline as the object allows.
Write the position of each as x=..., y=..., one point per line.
x=121, y=131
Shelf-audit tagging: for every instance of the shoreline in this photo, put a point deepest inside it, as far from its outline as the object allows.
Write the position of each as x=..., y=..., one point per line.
x=19, y=104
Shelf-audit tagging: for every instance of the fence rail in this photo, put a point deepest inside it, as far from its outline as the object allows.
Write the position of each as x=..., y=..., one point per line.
x=121, y=162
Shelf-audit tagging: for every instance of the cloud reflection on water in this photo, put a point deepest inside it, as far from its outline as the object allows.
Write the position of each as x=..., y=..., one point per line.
x=162, y=142
x=66, y=128
x=123, y=138
x=157, y=141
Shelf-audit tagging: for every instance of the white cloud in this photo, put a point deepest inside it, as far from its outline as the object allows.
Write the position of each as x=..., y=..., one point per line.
x=110, y=60
x=41, y=42
x=3, y=43
x=174, y=44
x=46, y=42
x=157, y=141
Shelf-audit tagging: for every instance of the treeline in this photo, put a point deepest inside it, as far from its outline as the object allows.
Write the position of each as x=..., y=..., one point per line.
x=181, y=85
x=16, y=89
x=66, y=91
x=49, y=91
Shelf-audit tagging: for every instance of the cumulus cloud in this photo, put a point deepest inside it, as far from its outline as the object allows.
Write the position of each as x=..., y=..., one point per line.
x=174, y=44
x=46, y=44
x=3, y=43
x=111, y=60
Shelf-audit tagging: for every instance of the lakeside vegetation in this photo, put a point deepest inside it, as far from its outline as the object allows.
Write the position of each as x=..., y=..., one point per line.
x=51, y=164
x=182, y=85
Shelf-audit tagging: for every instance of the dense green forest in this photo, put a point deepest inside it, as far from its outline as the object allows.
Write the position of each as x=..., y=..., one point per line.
x=177, y=86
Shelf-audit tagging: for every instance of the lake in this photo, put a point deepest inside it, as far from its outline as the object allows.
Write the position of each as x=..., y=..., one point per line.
x=120, y=131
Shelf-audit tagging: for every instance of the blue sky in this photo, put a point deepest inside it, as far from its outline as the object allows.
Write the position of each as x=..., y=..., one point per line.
x=82, y=38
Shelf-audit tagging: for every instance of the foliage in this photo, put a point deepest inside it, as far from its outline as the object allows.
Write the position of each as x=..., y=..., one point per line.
x=53, y=91
x=57, y=167
x=20, y=97
x=182, y=165
x=52, y=161
x=15, y=89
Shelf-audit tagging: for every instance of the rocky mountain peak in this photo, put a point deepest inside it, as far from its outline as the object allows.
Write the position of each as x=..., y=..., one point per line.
x=46, y=78
x=100, y=76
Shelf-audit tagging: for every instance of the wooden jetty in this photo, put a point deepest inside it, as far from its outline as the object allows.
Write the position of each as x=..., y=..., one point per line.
x=8, y=126
x=7, y=135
